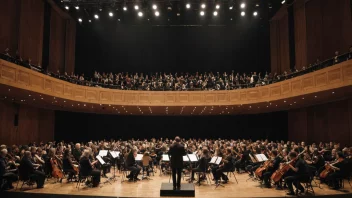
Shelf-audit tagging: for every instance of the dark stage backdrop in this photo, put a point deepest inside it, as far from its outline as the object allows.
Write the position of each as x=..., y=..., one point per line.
x=84, y=127
x=109, y=47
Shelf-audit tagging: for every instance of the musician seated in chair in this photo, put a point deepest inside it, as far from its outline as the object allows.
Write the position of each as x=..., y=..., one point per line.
x=202, y=166
x=86, y=168
x=146, y=161
x=225, y=167
x=340, y=170
x=273, y=166
x=5, y=173
x=30, y=170
x=68, y=166
x=132, y=166
x=300, y=173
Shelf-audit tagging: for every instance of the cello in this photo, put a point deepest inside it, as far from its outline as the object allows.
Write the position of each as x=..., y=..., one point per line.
x=329, y=168
x=277, y=175
x=57, y=172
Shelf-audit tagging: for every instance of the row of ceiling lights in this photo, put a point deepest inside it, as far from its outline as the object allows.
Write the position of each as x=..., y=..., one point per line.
x=157, y=13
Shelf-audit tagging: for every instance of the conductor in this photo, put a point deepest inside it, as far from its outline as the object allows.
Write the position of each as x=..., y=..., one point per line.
x=176, y=153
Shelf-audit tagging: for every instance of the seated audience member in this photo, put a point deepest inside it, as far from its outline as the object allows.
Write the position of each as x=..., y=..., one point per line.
x=6, y=52
x=30, y=170
x=336, y=57
x=5, y=172
x=349, y=57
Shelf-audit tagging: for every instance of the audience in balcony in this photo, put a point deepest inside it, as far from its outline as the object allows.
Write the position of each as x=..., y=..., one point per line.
x=179, y=81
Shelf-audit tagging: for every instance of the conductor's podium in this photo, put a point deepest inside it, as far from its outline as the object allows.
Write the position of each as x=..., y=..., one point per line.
x=187, y=190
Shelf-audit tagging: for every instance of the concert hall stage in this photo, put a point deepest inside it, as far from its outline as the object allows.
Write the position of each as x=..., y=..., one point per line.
x=151, y=188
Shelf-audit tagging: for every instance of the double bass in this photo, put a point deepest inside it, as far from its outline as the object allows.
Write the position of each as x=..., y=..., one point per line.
x=277, y=175
x=328, y=168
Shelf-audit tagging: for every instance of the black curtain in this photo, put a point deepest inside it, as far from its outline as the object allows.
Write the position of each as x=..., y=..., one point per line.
x=46, y=35
x=84, y=127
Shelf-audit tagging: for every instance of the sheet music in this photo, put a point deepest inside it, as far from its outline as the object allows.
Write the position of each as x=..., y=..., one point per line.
x=100, y=159
x=103, y=153
x=264, y=157
x=185, y=158
x=139, y=157
x=193, y=157
x=213, y=160
x=218, y=160
x=115, y=154
x=166, y=158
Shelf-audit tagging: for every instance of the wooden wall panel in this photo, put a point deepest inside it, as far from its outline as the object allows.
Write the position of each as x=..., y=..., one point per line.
x=322, y=123
x=57, y=42
x=329, y=28
x=70, y=46
x=300, y=34
x=9, y=16
x=30, y=39
x=279, y=42
x=34, y=124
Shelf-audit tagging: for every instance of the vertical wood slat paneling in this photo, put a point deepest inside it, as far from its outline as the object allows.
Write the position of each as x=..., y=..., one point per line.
x=34, y=125
x=322, y=123
x=57, y=42
x=70, y=50
x=9, y=16
x=31, y=30
x=300, y=34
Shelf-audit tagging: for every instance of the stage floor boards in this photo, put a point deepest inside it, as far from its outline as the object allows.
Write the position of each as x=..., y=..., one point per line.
x=151, y=188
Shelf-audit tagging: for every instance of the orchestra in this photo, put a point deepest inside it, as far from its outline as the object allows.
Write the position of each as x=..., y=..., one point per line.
x=287, y=163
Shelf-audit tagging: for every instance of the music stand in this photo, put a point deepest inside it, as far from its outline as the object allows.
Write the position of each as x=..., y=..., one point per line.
x=102, y=162
x=115, y=155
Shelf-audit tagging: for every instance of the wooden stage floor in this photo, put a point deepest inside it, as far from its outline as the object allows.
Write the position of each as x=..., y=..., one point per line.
x=151, y=188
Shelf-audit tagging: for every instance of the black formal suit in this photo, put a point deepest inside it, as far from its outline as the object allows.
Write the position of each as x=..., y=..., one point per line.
x=176, y=153
x=5, y=174
x=27, y=171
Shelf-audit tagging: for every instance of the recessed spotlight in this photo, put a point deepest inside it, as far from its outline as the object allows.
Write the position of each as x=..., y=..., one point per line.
x=217, y=6
x=285, y=101
x=255, y=13
x=77, y=7
x=124, y=8
x=333, y=92
x=140, y=14
x=96, y=16
x=203, y=5
x=231, y=7
x=282, y=2
x=67, y=8
x=80, y=20
x=90, y=21
x=315, y=96
x=243, y=5
x=188, y=6
x=216, y=14
x=302, y=98
x=111, y=14
x=243, y=13
x=202, y=13
x=136, y=7
x=155, y=7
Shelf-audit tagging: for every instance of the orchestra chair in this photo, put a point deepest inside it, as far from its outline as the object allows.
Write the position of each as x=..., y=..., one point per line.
x=205, y=173
x=346, y=177
x=124, y=171
x=83, y=178
x=25, y=178
x=3, y=182
x=232, y=171
x=308, y=183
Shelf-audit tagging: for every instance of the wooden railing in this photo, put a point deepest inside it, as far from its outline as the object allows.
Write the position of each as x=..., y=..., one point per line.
x=336, y=76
